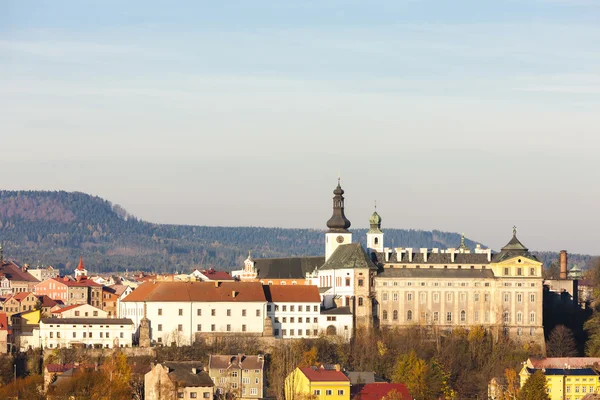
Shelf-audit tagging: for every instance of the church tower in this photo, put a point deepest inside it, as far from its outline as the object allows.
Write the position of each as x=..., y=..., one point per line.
x=338, y=224
x=375, y=235
x=80, y=272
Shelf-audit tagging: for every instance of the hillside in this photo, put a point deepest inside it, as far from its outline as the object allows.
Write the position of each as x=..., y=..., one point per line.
x=55, y=228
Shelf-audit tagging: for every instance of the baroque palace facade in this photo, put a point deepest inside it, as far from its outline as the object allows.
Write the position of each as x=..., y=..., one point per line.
x=400, y=287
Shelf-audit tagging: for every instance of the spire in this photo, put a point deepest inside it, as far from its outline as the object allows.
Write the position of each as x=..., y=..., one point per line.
x=514, y=244
x=81, y=267
x=375, y=221
x=338, y=221
x=462, y=243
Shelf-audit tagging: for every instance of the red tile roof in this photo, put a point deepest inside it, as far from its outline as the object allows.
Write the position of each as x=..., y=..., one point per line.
x=217, y=275
x=65, y=367
x=67, y=308
x=21, y=296
x=292, y=293
x=376, y=391
x=3, y=322
x=83, y=282
x=315, y=374
x=198, y=291
x=46, y=301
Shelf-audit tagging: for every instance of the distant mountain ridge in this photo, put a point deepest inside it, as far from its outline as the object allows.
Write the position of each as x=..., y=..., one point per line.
x=55, y=228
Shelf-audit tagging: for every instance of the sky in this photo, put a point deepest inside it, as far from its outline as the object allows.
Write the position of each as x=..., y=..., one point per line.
x=463, y=116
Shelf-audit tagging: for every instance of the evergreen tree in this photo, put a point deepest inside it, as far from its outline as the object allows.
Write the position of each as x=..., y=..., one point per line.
x=535, y=388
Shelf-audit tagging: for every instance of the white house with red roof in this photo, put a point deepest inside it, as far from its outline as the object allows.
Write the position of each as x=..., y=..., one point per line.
x=79, y=311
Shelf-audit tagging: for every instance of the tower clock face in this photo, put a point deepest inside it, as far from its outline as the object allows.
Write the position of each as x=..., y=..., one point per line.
x=340, y=239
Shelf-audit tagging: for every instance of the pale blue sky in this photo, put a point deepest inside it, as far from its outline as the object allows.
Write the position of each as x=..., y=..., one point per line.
x=467, y=116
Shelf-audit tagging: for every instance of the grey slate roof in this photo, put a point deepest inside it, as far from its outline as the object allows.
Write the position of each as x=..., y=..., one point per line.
x=441, y=273
x=514, y=248
x=286, y=268
x=360, y=377
x=434, y=258
x=182, y=373
x=350, y=255
x=337, y=311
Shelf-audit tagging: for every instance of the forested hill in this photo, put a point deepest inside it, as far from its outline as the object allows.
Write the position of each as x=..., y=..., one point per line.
x=55, y=228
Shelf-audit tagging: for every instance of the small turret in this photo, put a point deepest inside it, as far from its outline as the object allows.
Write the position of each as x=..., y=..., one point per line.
x=374, y=235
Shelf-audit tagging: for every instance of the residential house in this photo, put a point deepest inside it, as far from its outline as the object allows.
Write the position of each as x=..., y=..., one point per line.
x=26, y=330
x=381, y=391
x=181, y=311
x=79, y=311
x=205, y=275
x=52, y=371
x=71, y=291
x=110, y=300
x=46, y=304
x=294, y=310
x=567, y=381
x=322, y=383
x=238, y=376
x=22, y=301
x=41, y=273
x=86, y=332
x=3, y=333
x=19, y=279
x=182, y=380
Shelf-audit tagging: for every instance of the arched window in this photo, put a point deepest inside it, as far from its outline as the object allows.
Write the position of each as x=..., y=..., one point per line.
x=376, y=241
x=408, y=315
x=519, y=317
x=385, y=315
x=347, y=281
x=384, y=296
x=463, y=316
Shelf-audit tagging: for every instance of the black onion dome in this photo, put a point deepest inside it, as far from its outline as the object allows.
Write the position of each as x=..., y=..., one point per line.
x=338, y=221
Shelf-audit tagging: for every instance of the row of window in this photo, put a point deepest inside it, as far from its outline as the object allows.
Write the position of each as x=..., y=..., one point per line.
x=292, y=308
x=213, y=328
x=213, y=312
x=463, y=316
x=450, y=295
x=194, y=395
x=86, y=335
x=583, y=389
x=450, y=284
x=300, y=320
x=328, y=392
x=245, y=380
x=235, y=373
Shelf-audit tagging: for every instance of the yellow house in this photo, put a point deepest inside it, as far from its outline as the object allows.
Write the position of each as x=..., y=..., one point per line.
x=566, y=383
x=319, y=383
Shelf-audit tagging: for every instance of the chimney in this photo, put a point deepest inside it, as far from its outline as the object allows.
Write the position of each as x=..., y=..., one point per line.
x=424, y=251
x=386, y=251
x=409, y=252
x=563, y=264
x=194, y=370
x=451, y=251
x=216, y=284
x=337, y=367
